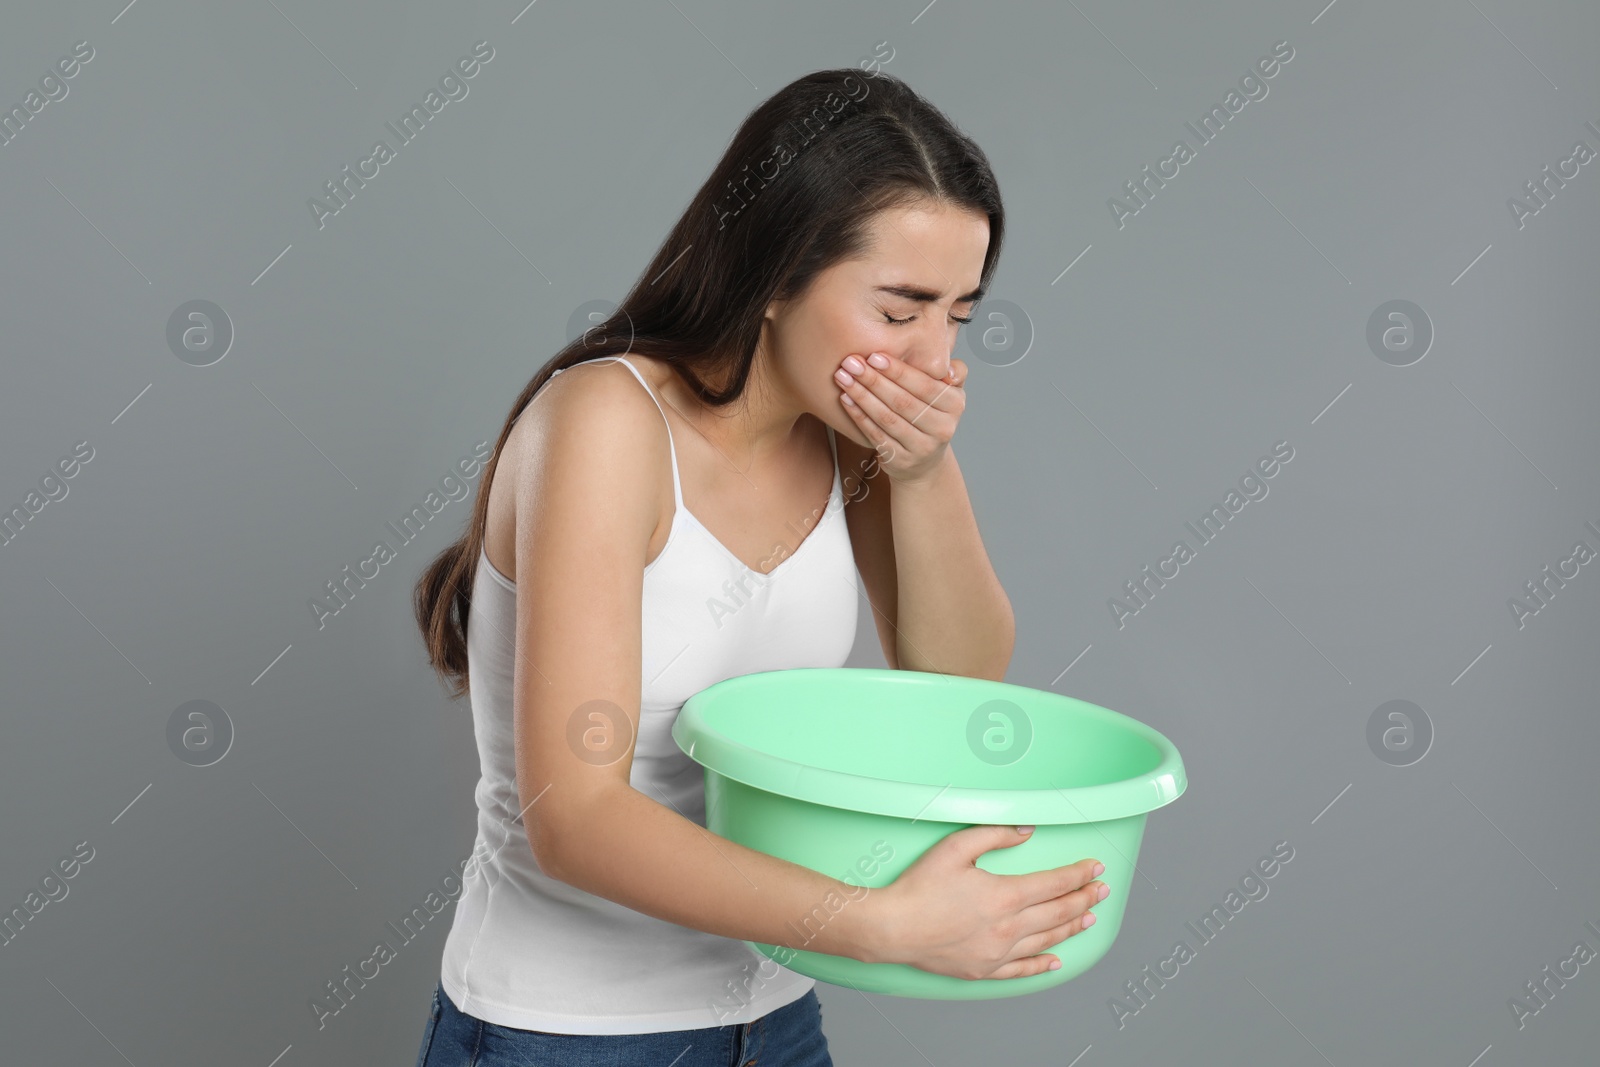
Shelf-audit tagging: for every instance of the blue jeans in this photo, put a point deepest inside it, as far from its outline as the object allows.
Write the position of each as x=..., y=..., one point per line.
x=791, y=1036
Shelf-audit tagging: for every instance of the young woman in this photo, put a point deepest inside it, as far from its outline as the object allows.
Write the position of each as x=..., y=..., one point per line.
x=766, y=417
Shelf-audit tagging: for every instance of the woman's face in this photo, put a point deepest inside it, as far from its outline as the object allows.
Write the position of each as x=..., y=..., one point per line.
x=903, y=298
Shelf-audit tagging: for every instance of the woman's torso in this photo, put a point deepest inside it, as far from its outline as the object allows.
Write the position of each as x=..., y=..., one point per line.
x=530, y=952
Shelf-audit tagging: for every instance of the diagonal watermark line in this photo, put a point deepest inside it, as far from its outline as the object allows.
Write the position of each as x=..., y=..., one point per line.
x=888, y=1020
x=1102, y=433
x=97, y=229
x=131, y=803
x=1289, y=1021
x=1297, y=229
x=90, y=1021
x=669, y=266
x=302, y=833
x=269, y=266
x=302, y=433
x=313, y=44
x=1332, y=402
x=1331, y=803
x=1297, y=630
x=713, y=44
x=274, y=663
x=1069, y=266
x=1474, y=262
x=1095, y=826
x=501, y=232
x=1513, y=44
x=1501, y=432
x=1468, y=667
x=1113, y=44
x=1502, y=833
x=1069, y=666
x=97, y=630
x=132, y=402
x=931, y=799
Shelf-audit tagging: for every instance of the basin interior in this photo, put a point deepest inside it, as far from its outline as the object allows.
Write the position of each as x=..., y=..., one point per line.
x=931, y=730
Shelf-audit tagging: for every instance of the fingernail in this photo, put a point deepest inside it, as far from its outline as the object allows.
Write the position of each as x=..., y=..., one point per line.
x=1099, y=869
x=843, y=377
x=878, y=360
x=1105, y=891
x=1024, y=829
x=1088, y=920
x=1055, y=965
x=853, y=365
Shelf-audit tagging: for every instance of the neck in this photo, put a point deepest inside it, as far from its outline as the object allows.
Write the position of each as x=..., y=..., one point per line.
x=761, y=423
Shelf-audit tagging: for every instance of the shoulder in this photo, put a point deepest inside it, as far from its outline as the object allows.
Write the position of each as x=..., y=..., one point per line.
x=591, y=430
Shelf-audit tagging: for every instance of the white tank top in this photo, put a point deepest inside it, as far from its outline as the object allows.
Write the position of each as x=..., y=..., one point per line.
x=533, y=953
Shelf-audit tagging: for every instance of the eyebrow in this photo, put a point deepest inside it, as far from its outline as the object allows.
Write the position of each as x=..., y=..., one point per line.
x=927, y=296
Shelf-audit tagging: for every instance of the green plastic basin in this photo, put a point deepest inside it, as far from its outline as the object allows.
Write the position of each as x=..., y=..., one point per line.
x=856, y=772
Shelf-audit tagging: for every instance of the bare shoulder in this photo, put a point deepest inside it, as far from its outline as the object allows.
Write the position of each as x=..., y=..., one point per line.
x=590, y=444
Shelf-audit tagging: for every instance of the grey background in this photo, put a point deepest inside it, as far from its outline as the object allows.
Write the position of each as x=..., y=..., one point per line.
x=1229, y=314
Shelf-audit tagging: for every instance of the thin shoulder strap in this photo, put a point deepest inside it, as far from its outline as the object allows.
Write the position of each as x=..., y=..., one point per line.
x=677, y=486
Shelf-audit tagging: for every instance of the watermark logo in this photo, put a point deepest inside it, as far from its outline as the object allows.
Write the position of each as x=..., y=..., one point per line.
x=1399, y=333
x=1399, y=733
x=590, y=319
x=199, y=333
x=199, y=733
x=999, y=732
x=1001, y=333
x=599, y=732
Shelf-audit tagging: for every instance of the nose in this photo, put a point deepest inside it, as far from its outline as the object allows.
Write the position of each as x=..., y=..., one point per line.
x=930, y=352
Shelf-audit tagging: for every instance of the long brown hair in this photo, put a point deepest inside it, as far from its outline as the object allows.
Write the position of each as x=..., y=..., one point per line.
x=792, y=195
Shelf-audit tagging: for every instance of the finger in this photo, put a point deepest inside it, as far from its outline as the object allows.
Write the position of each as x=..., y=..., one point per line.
x=1062, y=910
x=968, y=844
x=1048, y=939
x=1028, y=965
x=908, y=390
x=901, y=417
x=1036, y=887
x=876, y=439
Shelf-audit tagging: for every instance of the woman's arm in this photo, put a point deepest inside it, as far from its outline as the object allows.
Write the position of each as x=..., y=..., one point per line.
x=952, y=615
x=588, y=496
x=935, y=597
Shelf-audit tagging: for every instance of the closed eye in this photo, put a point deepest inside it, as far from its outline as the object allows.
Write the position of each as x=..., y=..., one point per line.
x=902, y=322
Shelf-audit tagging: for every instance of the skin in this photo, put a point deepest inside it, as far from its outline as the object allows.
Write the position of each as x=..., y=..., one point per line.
x=937, y=603
x=582, y=501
